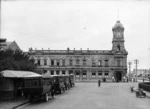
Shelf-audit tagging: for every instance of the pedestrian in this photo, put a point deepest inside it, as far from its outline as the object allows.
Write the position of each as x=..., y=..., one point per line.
x=52, y=91
x=99, y=83
x=124, y=79
x=113, y=79
x=104, y=79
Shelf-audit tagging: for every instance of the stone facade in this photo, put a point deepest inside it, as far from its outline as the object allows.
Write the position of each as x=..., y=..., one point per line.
x=86, y=65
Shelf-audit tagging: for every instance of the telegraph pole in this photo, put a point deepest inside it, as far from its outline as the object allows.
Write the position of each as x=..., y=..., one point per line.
x=129, y=70
x=136, y=65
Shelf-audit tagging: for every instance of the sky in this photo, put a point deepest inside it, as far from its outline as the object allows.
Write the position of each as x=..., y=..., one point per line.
x=59, y=24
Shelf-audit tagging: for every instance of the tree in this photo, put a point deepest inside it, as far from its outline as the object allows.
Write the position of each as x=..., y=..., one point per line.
x=16, y=60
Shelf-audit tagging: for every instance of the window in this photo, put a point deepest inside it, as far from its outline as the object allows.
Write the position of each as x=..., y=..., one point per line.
x=77, y=74
x=77, y=62
x=70, y=72
x=84, y=73
x=100, y=73
x=106, y=73
x=57, y=72
x=52, y=62
x=63, y=62
x=70, y=62
x=52, y=72
x=106, y=63
x=118, y=63
x=45, y=61
x=57, y=63
x=93, y=74
x=100, y=63
x=31, y=83
x=84, y=62
x=38, y=62
x=44, y=71
x=93, y=63
x=118, y=47
x=35, y=83
x=63, y=72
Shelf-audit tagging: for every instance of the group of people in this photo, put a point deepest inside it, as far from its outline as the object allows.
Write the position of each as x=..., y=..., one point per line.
x=99, y=81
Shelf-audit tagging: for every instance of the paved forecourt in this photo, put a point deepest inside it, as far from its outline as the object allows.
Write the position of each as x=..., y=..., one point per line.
x=90, y=96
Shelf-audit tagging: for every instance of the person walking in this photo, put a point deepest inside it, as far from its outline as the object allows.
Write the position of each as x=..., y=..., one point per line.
x=99, y=83
x=52, y=91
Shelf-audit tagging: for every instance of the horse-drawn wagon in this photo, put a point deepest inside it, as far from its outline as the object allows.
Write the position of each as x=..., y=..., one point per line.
x=38, y=87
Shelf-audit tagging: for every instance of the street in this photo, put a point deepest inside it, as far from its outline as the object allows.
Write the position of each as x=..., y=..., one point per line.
x=90, y=96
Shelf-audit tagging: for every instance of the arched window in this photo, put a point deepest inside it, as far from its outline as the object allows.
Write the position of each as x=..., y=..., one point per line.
x=45, y=61
x=118, y=47
x=38, y=62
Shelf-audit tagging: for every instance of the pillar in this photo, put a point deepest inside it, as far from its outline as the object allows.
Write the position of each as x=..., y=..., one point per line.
x=54, y=72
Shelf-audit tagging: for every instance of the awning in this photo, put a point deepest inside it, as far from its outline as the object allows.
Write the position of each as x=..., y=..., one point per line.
x=18, y=74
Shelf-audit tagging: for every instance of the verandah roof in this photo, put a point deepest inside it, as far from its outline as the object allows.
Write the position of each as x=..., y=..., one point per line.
x=18, y=74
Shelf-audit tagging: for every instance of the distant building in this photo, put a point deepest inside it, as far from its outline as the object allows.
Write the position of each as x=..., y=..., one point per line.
x=86, y=65
x=141, y=72
x=8, y=45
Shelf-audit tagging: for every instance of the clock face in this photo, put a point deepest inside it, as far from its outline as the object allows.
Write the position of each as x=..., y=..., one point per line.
x=118, y=34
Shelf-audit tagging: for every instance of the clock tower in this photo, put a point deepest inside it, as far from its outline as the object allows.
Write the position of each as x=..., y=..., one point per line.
x=118, y=38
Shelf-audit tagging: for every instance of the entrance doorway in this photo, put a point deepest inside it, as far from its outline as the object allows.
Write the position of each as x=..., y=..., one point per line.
x=118, y=76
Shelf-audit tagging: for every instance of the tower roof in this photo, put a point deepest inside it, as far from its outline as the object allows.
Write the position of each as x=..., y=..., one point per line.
x=118, y=24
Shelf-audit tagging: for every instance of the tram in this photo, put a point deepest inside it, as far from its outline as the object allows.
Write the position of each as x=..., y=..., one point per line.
x=38, y=87
x=71, y=80
x=59, y=84
x=44, y=86
x=67, y=82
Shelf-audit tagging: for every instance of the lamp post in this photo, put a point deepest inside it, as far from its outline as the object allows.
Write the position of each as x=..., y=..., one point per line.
x=136, y=63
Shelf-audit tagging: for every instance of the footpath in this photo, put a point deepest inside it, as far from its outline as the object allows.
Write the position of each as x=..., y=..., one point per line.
x=13, y=104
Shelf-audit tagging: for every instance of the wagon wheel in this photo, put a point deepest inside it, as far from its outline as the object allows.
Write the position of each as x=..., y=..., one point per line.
x=68, y=86
x=31, y=98
x=63, y=89
x=46, y=97
x=144, y=94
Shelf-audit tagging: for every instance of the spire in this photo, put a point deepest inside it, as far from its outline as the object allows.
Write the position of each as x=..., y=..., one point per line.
x=118, y=14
